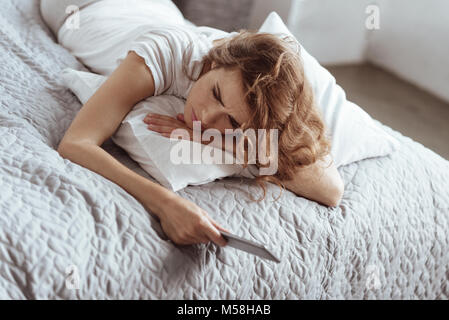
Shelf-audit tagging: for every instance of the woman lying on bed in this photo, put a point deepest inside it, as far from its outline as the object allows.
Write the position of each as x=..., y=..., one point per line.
x=247, y=80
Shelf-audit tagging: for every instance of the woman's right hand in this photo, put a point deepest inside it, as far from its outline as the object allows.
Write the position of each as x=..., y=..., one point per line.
x=186, y=223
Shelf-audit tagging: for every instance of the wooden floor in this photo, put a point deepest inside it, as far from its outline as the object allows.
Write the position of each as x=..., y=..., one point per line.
x=397, y=104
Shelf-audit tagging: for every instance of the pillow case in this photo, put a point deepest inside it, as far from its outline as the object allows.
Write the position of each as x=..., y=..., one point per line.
x=354, y=134
x=153, y=152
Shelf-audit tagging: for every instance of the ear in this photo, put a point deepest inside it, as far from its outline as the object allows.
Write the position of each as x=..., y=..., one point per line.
x=213, y=65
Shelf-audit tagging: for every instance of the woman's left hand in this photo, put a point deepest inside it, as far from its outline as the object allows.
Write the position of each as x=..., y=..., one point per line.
x=166, y=124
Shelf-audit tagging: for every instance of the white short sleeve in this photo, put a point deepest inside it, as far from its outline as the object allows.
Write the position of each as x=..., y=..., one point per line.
x=163, y=48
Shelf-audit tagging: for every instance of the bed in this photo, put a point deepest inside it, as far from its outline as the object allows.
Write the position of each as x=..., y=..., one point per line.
x=68, y=233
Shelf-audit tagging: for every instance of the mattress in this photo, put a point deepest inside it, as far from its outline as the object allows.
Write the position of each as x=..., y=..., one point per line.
x=68, y=233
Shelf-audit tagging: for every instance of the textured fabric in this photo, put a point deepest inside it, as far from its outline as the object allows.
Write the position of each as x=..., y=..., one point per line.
x=387, y=239
x=168, y=48
x=55, y=12
x=379, y=32
x=107, y=29
x=153, y=152
x=354, y=136
x=164, y=49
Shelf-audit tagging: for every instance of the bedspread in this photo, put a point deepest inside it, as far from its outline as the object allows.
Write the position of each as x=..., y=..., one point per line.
x=68, y=233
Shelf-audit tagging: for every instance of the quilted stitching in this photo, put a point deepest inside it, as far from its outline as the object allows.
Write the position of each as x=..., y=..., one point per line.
x=53, y=213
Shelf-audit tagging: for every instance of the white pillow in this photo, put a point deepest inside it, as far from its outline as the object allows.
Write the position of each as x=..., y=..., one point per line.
x=354, y=134
x=151, y=150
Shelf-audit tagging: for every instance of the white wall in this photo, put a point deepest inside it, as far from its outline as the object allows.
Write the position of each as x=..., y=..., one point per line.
x=413, y=39
x=413, y=42
x=331, y=30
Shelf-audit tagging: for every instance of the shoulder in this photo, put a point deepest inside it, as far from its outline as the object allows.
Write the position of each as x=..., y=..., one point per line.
x=172, y=42
x=168, y=51
x=173, y=33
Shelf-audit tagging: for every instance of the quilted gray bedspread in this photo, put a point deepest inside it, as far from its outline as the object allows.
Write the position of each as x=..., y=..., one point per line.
x=68, y=233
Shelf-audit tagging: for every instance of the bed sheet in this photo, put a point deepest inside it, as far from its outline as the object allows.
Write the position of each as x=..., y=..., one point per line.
x=68, y=233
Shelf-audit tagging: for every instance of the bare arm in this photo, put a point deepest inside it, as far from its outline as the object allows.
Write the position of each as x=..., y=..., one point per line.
x=318, y=182
x=98, y=119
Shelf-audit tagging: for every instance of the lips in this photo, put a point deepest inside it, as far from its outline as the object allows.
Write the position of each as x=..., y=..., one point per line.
x=194, y=118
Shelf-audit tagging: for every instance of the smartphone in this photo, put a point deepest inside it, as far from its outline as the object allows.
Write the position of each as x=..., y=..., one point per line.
x=249, y=246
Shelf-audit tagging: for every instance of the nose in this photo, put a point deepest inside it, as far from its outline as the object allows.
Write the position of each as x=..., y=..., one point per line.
x=209, y=116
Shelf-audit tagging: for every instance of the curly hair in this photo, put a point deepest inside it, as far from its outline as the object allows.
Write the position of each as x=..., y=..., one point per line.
x=279, y=96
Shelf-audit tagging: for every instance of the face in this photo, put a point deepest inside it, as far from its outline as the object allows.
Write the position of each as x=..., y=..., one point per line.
x=217, y=100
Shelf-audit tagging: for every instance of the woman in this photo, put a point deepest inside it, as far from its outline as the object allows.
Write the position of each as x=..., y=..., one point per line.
x=246, y=80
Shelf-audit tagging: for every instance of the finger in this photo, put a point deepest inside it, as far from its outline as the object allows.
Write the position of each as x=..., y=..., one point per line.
x=150, y=116
x=176, y=137
x=186, y=240
x=201, y=239
x=160, y=129
x=180, y=117
x=216, y=225
x=159, y=116
x=160, y=120
x=173, y=123
x=213, y=234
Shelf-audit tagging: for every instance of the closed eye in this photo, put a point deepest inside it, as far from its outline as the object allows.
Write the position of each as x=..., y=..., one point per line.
x=217, y=96
x=234, y=123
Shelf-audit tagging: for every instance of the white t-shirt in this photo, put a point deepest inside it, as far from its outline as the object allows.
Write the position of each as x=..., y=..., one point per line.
x=156, y=30
x=163, y=49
